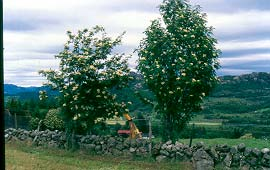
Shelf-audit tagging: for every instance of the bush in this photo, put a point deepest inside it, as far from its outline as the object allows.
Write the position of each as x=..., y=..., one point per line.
x=34, y=122
x=100, y=128
x=52, y=120
x=247, y=136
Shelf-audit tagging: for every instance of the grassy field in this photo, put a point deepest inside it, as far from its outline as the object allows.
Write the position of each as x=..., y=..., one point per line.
x=23, y=157
x=19, y=156
x=206, y=123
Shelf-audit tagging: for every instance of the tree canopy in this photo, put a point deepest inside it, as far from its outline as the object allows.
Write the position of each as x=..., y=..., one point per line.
x=88, y=71
x=178, y=59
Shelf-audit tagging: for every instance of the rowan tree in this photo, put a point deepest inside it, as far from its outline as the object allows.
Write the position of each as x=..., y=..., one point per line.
x=88, y=71
x=178, y=59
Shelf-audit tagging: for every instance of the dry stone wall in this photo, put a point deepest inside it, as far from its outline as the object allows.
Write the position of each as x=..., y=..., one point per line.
x=202, y=157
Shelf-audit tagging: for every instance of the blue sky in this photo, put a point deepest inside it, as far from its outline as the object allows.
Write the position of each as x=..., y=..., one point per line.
x=34, y=32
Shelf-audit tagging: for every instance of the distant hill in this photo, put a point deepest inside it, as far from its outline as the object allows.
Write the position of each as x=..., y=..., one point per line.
x=11, y=89
x=233, y=95
x=26, y=93
x=247, y=85
x=238, y=104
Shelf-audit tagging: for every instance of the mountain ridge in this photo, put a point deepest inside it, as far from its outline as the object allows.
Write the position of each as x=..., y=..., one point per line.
x=260, y=79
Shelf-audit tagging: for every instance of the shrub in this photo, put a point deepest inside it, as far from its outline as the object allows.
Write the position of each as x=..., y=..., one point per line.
x=34, y=122
x=52, y=120
x=247, y=136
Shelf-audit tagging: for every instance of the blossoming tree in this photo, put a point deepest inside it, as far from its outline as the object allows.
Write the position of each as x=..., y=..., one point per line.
x=178, y=59
x=88, y=71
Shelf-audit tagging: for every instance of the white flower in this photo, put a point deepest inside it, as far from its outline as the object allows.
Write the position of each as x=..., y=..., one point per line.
x=75, y=88
x=92, y=67
x=143, y=58
x=75, y=117
x=119, y=72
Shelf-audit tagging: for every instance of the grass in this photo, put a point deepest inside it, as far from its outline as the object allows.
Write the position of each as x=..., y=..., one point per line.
x=114, y=122
x=206, y=123
x=20, y=156
x=252, y=143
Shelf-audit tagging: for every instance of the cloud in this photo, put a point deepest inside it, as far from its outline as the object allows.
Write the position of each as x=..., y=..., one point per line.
x=32, y=41
x=31, y=20
x=229, y=6
x=34, y=31
x=244, y=45
x=245, y=68
x=112, y=5
x=244, y=52
x=24, y=72
x=236, y=60
x=233, y=71
x=33, y=65
x=242, y=48
x=244, y=23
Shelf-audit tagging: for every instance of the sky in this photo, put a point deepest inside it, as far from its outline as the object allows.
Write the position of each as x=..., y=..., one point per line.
x=35, y=31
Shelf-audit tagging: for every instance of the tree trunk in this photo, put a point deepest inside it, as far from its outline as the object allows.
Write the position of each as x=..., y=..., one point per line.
x=73, y=140
x=168, y=131
x=169, y=126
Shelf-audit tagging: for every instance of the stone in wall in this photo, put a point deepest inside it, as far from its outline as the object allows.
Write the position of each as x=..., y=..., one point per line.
x=202, y=160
